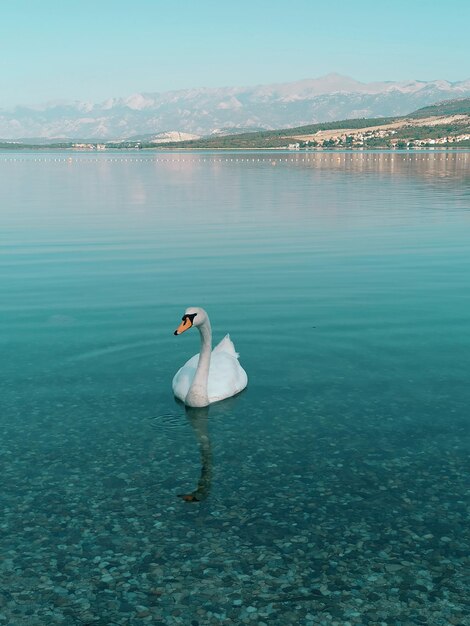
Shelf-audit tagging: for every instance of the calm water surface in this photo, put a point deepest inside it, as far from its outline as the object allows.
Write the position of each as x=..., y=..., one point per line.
x=334, y=490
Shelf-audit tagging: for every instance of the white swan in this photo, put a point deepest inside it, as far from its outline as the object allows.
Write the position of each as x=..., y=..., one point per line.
x=212, y=375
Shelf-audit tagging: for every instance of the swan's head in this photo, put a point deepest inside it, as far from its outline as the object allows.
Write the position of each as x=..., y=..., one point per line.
x=194, y=316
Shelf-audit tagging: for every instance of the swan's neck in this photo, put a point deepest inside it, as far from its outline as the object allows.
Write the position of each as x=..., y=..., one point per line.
x=197, y=394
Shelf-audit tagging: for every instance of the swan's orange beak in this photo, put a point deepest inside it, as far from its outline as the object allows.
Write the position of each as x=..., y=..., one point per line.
x=185, y=325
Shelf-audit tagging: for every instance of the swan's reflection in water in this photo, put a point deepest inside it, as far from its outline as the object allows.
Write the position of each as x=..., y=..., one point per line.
x=198, y=418
x=199, y=421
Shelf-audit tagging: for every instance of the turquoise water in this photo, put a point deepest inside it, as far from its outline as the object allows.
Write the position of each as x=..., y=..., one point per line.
x=334, y=489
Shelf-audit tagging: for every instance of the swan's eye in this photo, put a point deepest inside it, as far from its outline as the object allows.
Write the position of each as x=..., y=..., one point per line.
x=189, y=316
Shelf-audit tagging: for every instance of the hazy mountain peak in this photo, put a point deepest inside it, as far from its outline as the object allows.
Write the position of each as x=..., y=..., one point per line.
x=138, y=102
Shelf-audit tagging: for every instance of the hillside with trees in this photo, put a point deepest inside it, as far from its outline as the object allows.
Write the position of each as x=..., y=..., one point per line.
x=446, y=123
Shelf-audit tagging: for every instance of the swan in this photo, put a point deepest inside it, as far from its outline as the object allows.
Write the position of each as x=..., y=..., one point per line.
x=212, y=375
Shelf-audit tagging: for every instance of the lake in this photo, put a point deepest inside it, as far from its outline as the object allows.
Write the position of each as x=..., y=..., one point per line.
x=334, y=489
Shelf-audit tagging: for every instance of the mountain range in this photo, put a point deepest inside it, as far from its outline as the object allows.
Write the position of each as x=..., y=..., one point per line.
x=202, y=112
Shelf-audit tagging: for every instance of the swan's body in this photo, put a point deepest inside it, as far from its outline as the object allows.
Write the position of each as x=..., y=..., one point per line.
x=211, y=375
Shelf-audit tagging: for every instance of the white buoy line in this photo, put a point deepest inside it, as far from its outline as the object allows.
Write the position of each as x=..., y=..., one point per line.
x=270, y=158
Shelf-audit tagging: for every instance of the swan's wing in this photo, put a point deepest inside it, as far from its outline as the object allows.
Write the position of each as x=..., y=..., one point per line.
x=184, y=377
x=226, y=345
x=226, y=376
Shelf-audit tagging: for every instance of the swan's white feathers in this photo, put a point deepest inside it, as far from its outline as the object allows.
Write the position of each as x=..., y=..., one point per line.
x=226, y=376
x=226, y=345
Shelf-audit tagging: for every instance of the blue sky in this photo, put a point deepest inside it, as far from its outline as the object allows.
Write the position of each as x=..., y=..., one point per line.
x=94, y=49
